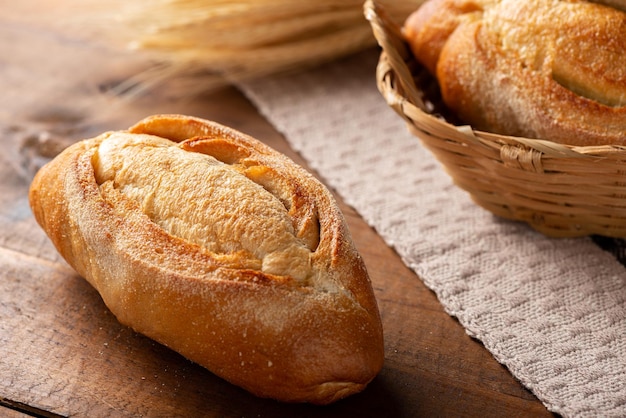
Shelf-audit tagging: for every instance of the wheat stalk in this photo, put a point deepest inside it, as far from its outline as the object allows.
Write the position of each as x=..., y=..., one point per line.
x=214, y=41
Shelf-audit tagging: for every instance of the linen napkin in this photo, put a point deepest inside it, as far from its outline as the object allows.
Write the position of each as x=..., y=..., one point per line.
x=553, y=311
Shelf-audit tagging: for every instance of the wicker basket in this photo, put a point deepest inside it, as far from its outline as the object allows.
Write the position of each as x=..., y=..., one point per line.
x=561, y=191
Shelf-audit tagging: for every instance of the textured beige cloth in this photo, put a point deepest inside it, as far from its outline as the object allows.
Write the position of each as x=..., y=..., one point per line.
x=552, y=310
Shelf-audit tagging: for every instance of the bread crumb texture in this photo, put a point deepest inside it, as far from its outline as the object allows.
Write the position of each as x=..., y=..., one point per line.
x=202, y=200
x=582, y=54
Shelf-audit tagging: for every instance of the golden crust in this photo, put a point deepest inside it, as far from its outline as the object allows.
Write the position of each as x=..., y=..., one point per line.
x=314, y=336
x=544, y=69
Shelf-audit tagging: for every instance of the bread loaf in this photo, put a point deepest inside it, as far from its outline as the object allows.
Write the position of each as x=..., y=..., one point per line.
x=221, y=248
x=545, y=69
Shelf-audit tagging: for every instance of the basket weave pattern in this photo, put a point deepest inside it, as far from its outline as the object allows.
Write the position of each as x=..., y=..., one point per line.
x=559, y=190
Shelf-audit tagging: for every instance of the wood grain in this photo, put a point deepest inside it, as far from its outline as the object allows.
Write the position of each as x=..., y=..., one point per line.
x=62, y=353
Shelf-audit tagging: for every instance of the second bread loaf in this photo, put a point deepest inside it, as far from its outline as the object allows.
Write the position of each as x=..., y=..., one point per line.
x=545, y=69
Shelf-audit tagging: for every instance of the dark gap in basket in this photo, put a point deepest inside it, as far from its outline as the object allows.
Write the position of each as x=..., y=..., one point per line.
x=427, y=84
x=615, y=246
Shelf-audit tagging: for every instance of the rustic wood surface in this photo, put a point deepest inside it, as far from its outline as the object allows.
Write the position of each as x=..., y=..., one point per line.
x=62, y=353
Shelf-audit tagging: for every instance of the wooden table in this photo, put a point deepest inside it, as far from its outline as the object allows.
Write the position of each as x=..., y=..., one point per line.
x=62, y=353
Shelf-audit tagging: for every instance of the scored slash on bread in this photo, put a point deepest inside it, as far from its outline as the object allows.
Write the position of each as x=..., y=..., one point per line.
x=221, y=248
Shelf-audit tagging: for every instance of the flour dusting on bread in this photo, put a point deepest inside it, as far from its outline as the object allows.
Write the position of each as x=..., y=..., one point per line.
x=221, y=248
x=236, y=215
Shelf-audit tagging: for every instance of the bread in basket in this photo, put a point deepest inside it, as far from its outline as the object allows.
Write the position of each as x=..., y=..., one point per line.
x=560, y=190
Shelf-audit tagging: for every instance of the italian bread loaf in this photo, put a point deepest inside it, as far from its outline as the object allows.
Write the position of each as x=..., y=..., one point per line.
x=545, y=69
x=219, y=247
